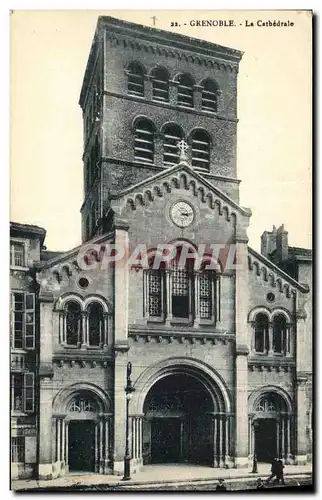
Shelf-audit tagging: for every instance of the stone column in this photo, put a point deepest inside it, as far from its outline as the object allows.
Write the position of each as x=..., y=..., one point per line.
x=101, y=443
x=107, y=445
x=278, y=438
x=197, y=96
x=301, y=420
x=197, y=297
x=148, y=87
x=270, y=339
x=241, y=364
x=289, y=439
x=173, y=92
x=96, y=448
x=283, y=451
x=215, y=439
x=168, y=284
x=45, y=458
x=67, y=444
x=221, y=441
x=121, y=294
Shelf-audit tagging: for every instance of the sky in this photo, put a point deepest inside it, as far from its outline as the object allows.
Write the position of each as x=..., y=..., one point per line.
x=49, y=51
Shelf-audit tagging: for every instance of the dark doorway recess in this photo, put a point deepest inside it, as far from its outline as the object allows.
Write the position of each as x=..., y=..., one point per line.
x=266, y=439
x=81, y=446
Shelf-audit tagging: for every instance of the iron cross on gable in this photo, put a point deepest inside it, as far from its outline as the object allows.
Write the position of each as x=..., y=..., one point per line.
x=154, y=19
x=182, y=146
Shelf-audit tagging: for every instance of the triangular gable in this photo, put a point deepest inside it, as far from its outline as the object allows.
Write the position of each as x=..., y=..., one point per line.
x=156, y=183
x=279, y=277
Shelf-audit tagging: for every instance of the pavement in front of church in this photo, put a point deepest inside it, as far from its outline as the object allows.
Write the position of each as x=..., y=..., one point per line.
x=158, y=476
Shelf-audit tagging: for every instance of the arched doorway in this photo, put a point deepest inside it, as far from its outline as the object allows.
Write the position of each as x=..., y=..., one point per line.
x=82, y=430
x=181, y=412
x=178, y=421
x=270, y=427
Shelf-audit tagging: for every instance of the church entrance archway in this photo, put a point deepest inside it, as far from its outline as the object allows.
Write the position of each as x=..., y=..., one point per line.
x=270, y=425
x=82, y=429
x=178, y=425
x=81, y=445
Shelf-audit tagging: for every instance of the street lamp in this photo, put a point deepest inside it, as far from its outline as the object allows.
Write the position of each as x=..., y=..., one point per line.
x=255, y=469
x=128, y=394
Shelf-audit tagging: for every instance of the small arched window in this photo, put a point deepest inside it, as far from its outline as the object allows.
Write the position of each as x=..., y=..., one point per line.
x=144, y=141
x=95, y=324
x=73, y=323
x=200, y=149
x=279, y=333
x=172, y=135
x=185, y=90
x=209, y=101
x=261, y=333
x=135, y=79
x=160, y=85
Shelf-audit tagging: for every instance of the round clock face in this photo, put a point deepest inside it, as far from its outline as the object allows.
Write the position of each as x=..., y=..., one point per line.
x=182, y=214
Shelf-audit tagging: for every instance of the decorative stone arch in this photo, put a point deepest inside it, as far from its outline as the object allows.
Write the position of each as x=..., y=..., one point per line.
x=210, y=79
x=259, y=310
x=184, y=73
x=97, y=298
x=138, y=118
x=171, y=124
x=201, y=371
x=65, y=396
x=137, y=63
x=68, y=297
x=255, y=396
x=199, y=129
x=281, y=311
x=157, y=67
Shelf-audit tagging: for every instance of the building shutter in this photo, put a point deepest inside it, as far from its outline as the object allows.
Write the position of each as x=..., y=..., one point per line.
x=29, y=392
x=29, y=321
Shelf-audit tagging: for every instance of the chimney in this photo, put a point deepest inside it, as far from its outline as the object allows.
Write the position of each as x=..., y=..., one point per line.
x=281, y=244
x=268, y=242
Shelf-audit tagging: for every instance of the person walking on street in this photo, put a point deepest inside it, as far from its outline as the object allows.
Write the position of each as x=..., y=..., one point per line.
x=273, y=471
x=280, y=472
x=221, y=486
x=260, y=484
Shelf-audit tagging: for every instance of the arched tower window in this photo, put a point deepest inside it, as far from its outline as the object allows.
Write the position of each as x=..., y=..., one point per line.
x=261, y=332
x=172, y=135
x=95, y=323
x=135, y=79
x=73, y=323
x=144, y=141
x=181, y=286
x=160, y=84
x=200, y=149
x=279, y=333
x=206, y=294
x=185, y=90
x=209, y=100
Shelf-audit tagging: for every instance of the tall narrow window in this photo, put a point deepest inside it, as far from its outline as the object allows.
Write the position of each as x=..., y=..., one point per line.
x=136, y=79
x=155, y=283
x=17, y=254
x=185, y=91
x=261, y=333
x=160, y=85
x=181, y=291
x=23, y=320
x=279, y=334
x=209, y=96
x=95, y=324
x=200, y=149
x=23, y=392
x=73, y=323
x=172, y=135
x=18, y=449
x=144, y=141
x=206, y=294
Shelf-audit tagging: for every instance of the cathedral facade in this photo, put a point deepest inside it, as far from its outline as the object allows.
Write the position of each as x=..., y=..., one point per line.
x=217, y=335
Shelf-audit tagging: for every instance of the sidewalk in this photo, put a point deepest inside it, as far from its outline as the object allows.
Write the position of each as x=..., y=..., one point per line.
x=158, y=474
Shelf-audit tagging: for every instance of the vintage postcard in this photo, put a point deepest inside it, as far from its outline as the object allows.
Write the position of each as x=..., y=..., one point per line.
x=160, y=250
